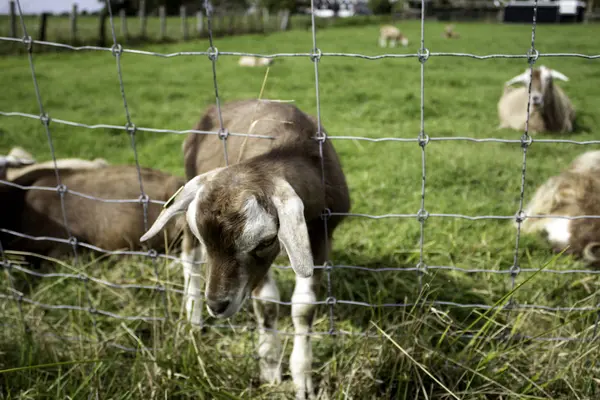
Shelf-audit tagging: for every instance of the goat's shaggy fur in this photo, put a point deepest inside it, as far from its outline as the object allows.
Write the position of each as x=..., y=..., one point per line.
x=574, y=192
x=551, y=109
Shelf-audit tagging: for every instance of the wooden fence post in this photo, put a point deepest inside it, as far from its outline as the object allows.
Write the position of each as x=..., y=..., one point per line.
x=285, y=18
x=142, y=14
x=13, y=19
x=162, y=12
x=43, y=26
x=123, y=15
x=74, y=23
x=199, y=22
x=184, y=28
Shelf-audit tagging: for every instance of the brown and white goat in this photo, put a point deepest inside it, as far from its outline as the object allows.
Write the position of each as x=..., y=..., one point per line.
x=270, y=197
x=551, y=109
x=574, y=192
x=393, y=35
x=108, y=225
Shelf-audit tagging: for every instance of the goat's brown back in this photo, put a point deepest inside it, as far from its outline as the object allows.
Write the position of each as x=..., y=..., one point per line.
x=111, y=226
x=294, y=132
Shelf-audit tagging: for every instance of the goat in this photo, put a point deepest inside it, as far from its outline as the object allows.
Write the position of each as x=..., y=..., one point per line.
x=269, y=198
x=551, y=109
x=61, y=163
x=449, y=32
x=110, y=226
x=251, y=61
x=393, y=35
x=571, y=193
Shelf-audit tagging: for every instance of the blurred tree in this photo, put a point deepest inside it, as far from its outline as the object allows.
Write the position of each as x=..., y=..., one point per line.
x=380, y=7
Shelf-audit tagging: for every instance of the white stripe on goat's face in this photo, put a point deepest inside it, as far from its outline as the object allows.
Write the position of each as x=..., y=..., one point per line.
x=260, y=225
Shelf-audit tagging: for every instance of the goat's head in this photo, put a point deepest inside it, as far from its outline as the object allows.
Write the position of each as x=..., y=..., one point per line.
x=541, y=82
x=238, y=217
x=13, y=161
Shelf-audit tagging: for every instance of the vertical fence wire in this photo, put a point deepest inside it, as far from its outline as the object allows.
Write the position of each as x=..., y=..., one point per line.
x=61, y=189
x=526, y=140
x=423, y=139
x=321, y=137
x=117, y=51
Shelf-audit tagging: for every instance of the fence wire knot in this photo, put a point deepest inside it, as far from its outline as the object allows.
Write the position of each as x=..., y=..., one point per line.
x=328, y=266
x=61, y=189
x=326, y=214
x=532, y=55
x=526, y=140
x=152, y=253
x=116, y=49
x=316, y=55
x=73, y=241
x=321, y=136
x=423, y=55
x=131, y=128
x=223, y=133
x=28, y=42
x=331, y=301
x=45, y=119
x=422, y=215
x=515, y=270
x=520, y=216
x=92, y=310
x=144, y=199
x=423, y=139
x=421, y=268
x=83, y=277
x=213, y=53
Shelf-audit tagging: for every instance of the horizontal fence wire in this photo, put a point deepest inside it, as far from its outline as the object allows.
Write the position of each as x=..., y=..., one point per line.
x=315, y=55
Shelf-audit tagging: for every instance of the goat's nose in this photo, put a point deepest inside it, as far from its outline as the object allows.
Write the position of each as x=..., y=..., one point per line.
x=217, y=306
x=536, y=99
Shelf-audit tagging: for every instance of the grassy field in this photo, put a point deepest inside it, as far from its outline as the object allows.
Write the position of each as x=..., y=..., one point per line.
x=358, y=98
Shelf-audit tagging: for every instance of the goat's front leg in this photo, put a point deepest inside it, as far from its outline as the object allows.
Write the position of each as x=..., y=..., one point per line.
x=303, y=310
x=191, y=253
x=269, y=344
x=382, y=42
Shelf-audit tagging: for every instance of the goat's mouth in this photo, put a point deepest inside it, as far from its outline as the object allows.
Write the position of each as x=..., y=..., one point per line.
x=233, y=305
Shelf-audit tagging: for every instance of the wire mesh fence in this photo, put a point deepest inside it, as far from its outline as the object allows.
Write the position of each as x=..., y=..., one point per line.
x=163, y=290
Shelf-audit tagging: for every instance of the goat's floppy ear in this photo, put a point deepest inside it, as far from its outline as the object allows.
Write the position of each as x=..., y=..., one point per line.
x=522, y=78
x=293, y=232
x=179, y=202
x=557, y=75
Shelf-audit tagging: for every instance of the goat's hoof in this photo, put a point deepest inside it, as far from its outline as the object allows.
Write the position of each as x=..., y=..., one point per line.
x=271, y=374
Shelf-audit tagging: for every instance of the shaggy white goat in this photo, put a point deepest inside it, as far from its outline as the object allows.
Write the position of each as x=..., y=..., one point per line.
x=574, y=192
x=393, y=35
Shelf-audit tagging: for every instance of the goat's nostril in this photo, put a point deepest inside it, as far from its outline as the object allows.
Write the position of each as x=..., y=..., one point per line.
x=218, y=307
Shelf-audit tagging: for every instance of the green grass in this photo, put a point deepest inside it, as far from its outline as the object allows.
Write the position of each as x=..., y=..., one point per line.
x=358, y=98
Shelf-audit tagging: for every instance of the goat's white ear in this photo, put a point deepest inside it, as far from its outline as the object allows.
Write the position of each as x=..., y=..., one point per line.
x=557, y=75
x=522, y=78
x=179, y=202
x=293, y=232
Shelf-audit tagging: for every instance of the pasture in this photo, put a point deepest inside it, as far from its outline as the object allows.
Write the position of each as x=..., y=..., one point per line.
x=363, y=98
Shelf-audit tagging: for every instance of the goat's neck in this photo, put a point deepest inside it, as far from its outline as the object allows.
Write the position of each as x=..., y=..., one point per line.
x=552, y=111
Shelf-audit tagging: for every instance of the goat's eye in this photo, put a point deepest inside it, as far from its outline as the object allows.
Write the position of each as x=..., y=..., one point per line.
x=265, y=244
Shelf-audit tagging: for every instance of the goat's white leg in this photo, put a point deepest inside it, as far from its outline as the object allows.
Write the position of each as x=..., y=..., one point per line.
x=269, y=344
x=392, y=42
x=303, y=309
x=382, y=42
x=192, y=252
